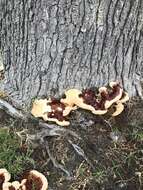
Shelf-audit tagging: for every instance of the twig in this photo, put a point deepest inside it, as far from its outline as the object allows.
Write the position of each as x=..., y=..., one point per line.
x=55, y=163
x=80, y=152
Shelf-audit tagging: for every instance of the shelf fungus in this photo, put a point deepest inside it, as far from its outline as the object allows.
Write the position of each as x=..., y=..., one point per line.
x=119, y=107
x=4, y=176
x=124, y=98
x=40, y=107
x=98, y=103
x=11, y=186
x=112, y=94
x=34, y=180
x=84, y=99
x=51, y=110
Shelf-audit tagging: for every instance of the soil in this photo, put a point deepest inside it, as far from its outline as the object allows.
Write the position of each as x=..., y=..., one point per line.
x=107, y=156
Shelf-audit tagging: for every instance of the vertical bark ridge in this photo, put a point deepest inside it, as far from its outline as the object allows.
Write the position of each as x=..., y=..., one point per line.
x=51, y=45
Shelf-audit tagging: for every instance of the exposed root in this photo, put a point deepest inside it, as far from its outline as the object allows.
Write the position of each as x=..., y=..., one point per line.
x=12, y=111
x=53, y=160
x=46, y=130
x=54, y=131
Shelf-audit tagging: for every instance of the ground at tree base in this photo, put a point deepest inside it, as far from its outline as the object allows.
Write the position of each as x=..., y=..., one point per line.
x=108, y=155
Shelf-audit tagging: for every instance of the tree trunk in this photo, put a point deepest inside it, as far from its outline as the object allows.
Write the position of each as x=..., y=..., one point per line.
x=51, y=45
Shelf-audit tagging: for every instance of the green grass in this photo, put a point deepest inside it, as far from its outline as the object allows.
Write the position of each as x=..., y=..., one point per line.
x=99, y=175
x=11, y=158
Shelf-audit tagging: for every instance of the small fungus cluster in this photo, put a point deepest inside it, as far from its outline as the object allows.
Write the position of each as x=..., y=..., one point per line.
x=97, y=102
x=30, y=180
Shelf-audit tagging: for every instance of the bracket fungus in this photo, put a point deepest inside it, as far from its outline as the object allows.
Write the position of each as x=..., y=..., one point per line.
x=34, y=180
x=51, y=110
x=119, y=107
x=39, y=107
x=72, y=97
x=11, y=185
x=85, y=100
x=90, y=99
x=31, y=180
x=112, y=94
x=98, y=103
x=124, y=98
x=4, y=176
x=57, y=112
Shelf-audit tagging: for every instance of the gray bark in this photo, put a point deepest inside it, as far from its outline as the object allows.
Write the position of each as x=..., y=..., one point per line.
x=51, y=45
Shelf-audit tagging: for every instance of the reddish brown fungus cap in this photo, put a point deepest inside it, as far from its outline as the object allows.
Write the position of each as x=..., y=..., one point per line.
x=111, y=94
x=88, y=96
x=2, y=179
x=11, y=186
x=91, y=99
x=57, y=109
x=34, y=179
x=118, y=109
x=4, y=176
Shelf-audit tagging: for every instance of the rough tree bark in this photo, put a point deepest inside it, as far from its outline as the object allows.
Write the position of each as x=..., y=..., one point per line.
x=51, y=45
